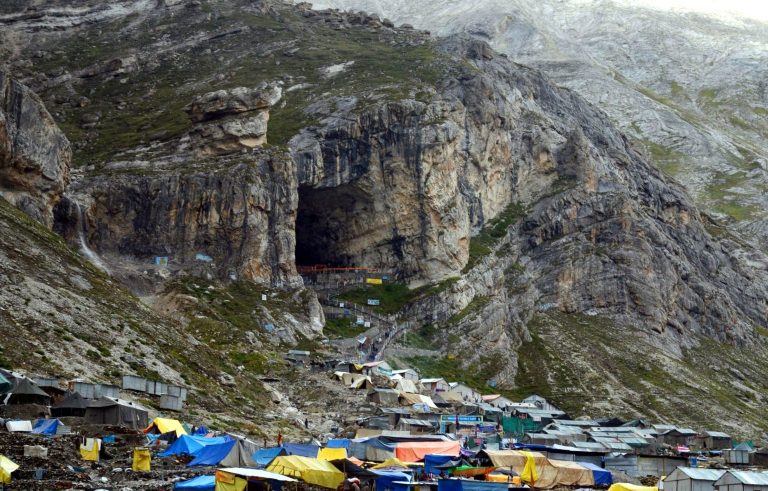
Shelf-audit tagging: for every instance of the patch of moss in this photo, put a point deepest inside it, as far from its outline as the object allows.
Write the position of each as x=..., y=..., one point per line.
x=482, y=244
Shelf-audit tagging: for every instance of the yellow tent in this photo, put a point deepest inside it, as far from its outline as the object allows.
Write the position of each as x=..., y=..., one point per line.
x=309, y=470
x=623, y=486
x=390, y=463
x=332, y=454
x=165, y=425
x=6, y=469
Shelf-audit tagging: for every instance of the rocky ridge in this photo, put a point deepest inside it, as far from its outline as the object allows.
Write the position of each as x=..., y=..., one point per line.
x=665, y=78
x=451, y=161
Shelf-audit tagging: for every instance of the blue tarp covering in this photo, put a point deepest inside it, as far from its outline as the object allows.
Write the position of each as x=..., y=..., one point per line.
x=191, y=445
x=338, y=443
x=264, y=456
x=602, y=477
x=200, y=483
x=470, y=485
x=212, y=454
x=201, y=431
x=385, y=479
x=46, y=426
x=301, y=449
x=430, y=461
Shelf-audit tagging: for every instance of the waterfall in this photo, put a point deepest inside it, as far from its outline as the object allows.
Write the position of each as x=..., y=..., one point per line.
x=84, y=249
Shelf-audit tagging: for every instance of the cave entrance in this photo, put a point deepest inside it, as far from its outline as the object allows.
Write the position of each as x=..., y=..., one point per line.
x=325, y=224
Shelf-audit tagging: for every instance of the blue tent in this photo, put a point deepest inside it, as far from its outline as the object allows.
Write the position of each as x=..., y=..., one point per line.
x=602, y=476
x=470, y=485
x=200, y=483
x=301, y=449
x=265, y=456
x=430, y=461
x=338, y=443
x=191, y=445
x=386, y=478
x=201, y=431
x=212, y=454
x=46, y=426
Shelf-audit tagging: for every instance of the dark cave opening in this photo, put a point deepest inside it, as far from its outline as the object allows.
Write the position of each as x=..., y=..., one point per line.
x=324, y=223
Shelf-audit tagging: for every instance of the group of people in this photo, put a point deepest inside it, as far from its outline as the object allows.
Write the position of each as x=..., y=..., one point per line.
x=354, y=484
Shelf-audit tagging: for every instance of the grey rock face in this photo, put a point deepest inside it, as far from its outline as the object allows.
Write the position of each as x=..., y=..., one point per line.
x=236, y=221
x=34, y=154
x=689, y=86
x=220, y=103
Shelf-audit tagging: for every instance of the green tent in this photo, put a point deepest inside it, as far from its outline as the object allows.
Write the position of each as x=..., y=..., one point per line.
x=5, y=385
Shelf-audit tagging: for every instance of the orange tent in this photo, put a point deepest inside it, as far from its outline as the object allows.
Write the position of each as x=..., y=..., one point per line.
x=415, y=451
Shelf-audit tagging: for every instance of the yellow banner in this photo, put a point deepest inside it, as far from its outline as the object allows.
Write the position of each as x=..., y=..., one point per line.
x=374, y=281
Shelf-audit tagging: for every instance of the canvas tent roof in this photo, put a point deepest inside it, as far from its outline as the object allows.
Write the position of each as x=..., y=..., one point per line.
x=5, y=384
x=301, y=449
x=257, y=473
x=107, y=410
x=200, y=483
x=415, y=451
x=602, y=476
x=73, y=404
x=165, y=425
x=264, y=456
x=192, y=445
x=312, y=471
x=27, y=392
x=231, y=454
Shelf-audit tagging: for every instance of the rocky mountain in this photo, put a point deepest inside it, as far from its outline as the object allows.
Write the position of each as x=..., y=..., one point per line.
x=690, y=88
x=217, y=145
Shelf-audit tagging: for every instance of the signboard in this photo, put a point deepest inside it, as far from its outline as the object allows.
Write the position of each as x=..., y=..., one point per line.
x=463, y=419
x=374, y=301
x=373, y=281
x=161, y=260
x=341, y=305
x=360, y=321
x=367, y=324
x=263, y=297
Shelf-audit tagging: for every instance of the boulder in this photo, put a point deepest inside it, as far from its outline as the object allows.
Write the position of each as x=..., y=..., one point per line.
x=35, y=155
x=221, y=103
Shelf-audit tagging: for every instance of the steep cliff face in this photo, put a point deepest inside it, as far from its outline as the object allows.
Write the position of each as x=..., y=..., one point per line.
x=440, y=162
x=34, y=153
x=235, y=222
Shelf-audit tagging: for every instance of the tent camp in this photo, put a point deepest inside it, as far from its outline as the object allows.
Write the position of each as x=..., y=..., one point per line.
x=690, y=479
x=264, y=456
x=230, y=454
x=416, y=451
x=27, y=392
x=312, y=471
x=192, y=445
x=110, y=411
x=73, y=404
x=165, y=425
x=200, y=483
